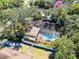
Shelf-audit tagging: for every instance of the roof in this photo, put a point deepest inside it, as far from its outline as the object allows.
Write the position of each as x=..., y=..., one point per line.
x=7, y=53
x=3, y=56
x=34, y=31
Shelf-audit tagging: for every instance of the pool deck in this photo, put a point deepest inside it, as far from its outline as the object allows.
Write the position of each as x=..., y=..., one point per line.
x=37, y=45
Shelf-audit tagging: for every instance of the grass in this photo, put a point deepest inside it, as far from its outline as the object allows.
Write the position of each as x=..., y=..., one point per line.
x=35, y=52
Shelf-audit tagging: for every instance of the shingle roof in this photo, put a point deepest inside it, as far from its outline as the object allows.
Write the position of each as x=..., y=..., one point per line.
x=8, y=53
x=3, y=56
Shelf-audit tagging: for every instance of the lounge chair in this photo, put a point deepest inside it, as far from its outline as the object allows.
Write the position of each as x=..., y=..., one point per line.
x=32, y=35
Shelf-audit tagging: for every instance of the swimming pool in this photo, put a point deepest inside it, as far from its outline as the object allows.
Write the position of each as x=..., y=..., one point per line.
x=48, y=37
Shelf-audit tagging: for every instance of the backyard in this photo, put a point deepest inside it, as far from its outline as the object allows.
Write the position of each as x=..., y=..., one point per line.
x=41, y=29
x=35, y=52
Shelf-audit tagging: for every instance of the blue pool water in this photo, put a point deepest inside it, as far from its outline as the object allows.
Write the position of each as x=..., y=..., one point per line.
x=48, y=37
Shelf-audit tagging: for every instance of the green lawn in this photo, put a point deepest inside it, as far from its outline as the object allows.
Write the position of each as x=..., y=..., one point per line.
x=36, y=53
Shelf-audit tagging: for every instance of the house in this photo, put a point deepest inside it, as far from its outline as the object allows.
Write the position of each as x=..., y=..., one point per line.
x=7, y=53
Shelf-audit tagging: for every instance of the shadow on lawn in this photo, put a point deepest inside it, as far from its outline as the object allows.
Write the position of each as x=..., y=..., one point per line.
x=14, y=45
x=52, y=54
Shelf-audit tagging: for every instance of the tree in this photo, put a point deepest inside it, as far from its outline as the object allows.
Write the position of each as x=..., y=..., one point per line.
x=75, y=38
x=14, y=32
x=4, y=4
x=44, y=4
x=74, y=9
x=64, y=49
x=18, y=3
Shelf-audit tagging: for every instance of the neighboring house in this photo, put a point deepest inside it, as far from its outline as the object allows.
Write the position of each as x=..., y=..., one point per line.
x=7, y=53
